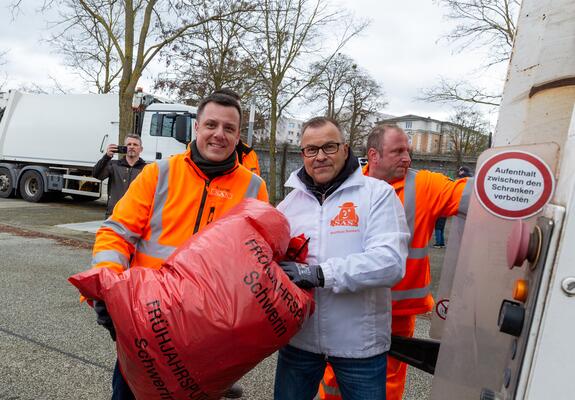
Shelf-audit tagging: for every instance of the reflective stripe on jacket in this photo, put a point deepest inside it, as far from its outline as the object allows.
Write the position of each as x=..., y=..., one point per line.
x=167, y=203
x=426, y=196
x=328, y=388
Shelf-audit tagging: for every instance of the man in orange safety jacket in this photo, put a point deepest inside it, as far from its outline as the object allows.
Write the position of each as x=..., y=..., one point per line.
x=248, y=158
x=172, y=199
x=426, y=196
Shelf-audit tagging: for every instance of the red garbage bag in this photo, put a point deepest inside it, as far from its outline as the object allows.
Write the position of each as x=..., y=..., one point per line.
x=218, y=306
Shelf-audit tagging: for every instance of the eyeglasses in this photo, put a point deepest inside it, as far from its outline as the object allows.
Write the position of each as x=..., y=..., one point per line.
x=328, y=148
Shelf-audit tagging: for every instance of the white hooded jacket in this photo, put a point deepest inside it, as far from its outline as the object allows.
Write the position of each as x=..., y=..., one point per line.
x=359, y=237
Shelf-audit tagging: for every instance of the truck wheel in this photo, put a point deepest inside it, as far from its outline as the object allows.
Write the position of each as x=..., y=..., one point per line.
x=32, y=186
x=6, y=184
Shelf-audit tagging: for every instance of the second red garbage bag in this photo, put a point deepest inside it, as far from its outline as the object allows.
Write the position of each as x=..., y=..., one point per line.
x=218, y=306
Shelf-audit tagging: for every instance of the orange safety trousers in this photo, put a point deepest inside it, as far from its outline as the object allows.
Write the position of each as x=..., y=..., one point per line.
x=403, y=325
x=396, y=370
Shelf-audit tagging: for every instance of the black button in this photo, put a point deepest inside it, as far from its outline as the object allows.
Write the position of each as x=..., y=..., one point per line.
x=511, y=317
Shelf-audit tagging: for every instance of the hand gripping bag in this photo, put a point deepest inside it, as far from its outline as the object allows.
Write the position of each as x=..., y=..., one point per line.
x=218, y=306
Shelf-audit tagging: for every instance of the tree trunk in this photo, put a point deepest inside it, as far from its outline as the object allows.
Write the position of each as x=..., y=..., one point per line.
x=126, y=115
x=273, y=125
x=283, y=170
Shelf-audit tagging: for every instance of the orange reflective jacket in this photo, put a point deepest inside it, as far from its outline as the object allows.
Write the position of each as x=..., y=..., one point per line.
x=248, y=158
x=426, y=196
x=250, y=161
x=167, y=203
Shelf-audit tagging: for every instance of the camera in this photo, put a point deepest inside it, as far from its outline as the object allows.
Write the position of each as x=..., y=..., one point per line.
x=122, y=149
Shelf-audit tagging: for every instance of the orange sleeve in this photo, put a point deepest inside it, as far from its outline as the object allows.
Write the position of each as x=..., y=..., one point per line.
x=250, y=161
x=442, y=195
x=116, y=239
x=365, y=169
x=263, y=193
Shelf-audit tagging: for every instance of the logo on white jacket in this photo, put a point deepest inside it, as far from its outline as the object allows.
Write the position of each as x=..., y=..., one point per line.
x=346, y=216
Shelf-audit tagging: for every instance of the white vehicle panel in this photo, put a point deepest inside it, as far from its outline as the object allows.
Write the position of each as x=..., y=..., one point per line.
x=67, y=130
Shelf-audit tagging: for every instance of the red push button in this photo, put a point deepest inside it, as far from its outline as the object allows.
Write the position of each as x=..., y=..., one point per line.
x=517, y=245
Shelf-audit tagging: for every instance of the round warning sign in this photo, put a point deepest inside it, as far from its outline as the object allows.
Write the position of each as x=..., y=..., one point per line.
x=441, y=308
x=514, y=184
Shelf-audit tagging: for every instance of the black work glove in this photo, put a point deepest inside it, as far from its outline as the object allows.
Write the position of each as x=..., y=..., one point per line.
x=104, y=318
x=303, y=275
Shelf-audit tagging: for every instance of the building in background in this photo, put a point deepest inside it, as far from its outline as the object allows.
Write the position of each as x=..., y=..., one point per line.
x=432, y=136
x=288, y=131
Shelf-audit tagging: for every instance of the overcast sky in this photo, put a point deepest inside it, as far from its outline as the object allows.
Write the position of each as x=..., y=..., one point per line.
x=401, y=49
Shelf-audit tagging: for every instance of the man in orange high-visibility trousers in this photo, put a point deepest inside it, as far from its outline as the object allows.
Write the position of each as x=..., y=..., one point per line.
x=426, y=196
x=172, y=199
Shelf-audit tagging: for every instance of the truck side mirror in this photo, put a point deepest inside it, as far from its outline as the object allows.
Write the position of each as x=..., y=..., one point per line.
x=182, y=128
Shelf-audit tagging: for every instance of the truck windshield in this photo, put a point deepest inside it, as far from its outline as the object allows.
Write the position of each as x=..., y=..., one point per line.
x=165, y=125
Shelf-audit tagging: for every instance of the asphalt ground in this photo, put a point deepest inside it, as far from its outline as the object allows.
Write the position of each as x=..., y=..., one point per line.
x=50, y=346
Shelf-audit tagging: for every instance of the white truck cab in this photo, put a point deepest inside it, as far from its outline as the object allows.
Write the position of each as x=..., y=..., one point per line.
x=159, y=130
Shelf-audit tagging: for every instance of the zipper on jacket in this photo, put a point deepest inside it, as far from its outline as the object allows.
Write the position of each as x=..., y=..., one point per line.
x=319, y=314
x=211, y=215
x=202, y=204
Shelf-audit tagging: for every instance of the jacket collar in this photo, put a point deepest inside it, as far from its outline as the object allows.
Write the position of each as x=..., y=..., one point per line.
x=397, y=185
x=400, y=184
x=355, y=179
x=188, y=159
x=125, y=163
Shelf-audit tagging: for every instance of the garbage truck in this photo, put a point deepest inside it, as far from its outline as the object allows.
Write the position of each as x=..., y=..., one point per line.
x=505, y=315
x=50, y=142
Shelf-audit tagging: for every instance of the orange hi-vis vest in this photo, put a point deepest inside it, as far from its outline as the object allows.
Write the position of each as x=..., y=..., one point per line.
x=250, y=161
x=167, y=203
x=425, y=196
x=248, y=158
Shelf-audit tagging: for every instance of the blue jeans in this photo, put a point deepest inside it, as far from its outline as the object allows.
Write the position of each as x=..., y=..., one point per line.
x=120, y=389
x=439, y=229
x=299, y=373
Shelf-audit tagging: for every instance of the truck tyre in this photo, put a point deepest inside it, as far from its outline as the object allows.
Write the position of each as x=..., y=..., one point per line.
x=32, y=186
x=6, y=184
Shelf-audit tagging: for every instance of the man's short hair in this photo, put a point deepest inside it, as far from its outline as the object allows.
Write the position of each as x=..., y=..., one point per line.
x=223, y=97
x=375, y=137
x=133, y=136
x=464, y=172
x=317, y=122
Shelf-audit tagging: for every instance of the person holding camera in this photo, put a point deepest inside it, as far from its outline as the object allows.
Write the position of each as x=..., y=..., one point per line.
x=122, y=172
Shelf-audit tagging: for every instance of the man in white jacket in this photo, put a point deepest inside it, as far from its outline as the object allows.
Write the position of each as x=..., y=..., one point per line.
x=357, y=251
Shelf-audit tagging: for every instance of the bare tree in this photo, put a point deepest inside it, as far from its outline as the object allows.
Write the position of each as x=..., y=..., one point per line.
x=489, y=24
x=3, y=74
x=450, y=91
x=467, y=134
x=288, y=33
x=348, y=94
x=210, y=58
x=87, y=47
x=147, y=26
x=332, y=87
x=364, y=101
x=484, y=23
